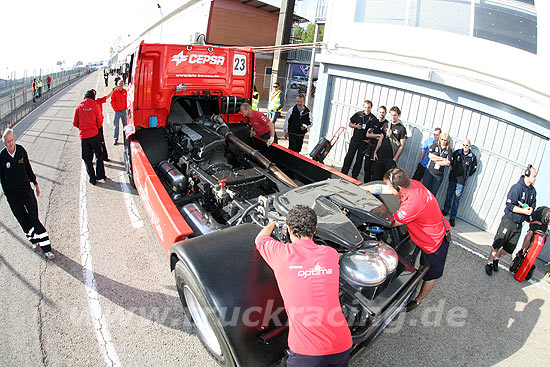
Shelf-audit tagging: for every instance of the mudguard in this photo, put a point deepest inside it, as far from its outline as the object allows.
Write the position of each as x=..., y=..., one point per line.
x=241, y=288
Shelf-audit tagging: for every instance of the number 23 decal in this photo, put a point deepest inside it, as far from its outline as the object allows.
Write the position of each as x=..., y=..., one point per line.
x=239, y=64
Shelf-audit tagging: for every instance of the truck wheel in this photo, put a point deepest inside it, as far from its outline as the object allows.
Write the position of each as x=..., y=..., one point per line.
x=530, y=273
x=205, y=321
x=128, y=163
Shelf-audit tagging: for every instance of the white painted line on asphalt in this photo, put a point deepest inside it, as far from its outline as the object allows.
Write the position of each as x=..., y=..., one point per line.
x=500, y=266
x=99, y=321
x=133, y=213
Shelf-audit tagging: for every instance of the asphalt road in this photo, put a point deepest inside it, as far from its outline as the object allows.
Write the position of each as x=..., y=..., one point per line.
x=109, y=298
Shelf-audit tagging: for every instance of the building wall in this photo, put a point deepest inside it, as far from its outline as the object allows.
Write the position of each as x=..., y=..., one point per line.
x=234, y=23
x=496, y=142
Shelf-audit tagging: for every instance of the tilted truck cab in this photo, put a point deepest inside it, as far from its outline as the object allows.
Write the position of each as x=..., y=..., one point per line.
x=207, y=193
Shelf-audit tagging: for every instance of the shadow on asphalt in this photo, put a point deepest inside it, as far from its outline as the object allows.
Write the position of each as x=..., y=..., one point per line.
x=154, y=306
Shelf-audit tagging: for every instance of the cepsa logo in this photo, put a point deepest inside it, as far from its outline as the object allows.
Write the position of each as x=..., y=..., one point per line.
x=198, y=59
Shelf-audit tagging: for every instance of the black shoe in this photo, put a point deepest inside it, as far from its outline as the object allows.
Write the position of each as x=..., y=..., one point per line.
x=489, y=269
x=495, y=265
x=452, y=222
x=444, y=213
x=106, y=159
x=115, y=143
x=411, y=305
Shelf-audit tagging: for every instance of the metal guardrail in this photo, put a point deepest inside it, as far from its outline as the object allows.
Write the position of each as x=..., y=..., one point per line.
x=18, y=103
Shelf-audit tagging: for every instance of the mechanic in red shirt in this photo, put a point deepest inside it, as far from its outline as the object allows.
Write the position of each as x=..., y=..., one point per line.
x=427, y=227
x=88, y=119
x=260, y=124
x=308, y=278
x=118, y=102
x=100, y=102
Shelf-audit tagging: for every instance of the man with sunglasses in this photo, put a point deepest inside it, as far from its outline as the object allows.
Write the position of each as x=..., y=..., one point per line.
x=424, y=159
x=463, y=165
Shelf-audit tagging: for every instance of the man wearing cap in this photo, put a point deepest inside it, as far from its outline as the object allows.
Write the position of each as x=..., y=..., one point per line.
x=119, y=104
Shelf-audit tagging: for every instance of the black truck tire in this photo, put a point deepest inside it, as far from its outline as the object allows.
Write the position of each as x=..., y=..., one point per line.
x=128, y=163
x=202, y=315
x=530, y=273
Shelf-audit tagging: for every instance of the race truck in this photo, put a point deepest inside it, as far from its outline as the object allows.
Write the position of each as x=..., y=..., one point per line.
x=208, y=193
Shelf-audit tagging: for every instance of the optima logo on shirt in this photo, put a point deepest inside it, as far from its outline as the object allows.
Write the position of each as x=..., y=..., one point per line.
x=317, y=270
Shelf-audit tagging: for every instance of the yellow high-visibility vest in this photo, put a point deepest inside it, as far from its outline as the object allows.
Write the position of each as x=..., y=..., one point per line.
x=275, y=100
x=255, y=100
x=39, y=83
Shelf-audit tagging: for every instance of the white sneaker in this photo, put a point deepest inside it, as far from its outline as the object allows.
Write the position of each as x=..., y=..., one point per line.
x=50, y=255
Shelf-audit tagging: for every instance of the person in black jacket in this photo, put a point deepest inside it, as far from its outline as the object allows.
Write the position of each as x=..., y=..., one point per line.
x=521, y=200
x=463, y=165
x=16, y=175
x=297, y=122
x=358, y=144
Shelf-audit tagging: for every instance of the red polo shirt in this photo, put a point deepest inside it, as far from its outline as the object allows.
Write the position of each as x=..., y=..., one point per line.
x=420, y=212
x=259, y=121
x=118, y=99
x=308, y=278
x=87, y=118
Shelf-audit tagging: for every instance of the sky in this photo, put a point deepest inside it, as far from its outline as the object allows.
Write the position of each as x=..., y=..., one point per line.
x=36, y=34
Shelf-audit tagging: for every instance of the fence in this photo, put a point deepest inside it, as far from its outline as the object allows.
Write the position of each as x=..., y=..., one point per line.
x=16, y=96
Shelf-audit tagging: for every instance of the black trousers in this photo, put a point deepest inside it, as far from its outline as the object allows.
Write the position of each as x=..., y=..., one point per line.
x=330, y=360
x=103, y=146
x=24, y=207
x=356, y=150
x=381, y=166
x=369, y=163
x=419, y=173
x=295, y=142
x=106, y=82
x=91, y=146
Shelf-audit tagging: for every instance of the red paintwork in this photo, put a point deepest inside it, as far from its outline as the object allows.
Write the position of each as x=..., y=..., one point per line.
x=530, y=258
x=165, y=217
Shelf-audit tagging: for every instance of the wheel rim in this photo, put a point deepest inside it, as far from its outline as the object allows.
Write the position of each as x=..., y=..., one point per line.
x=201, y=321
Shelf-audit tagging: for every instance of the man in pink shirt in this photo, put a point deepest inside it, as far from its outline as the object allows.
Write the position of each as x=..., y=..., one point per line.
x=308, y=278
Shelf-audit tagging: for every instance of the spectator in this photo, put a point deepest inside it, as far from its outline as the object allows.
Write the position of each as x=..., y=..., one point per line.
x=424, y=159
x=440, y=157
x=106, y=77
x=463, y=165
x=39, y=84
x=521, y=200
x=260, y=124
x=255, y=99
x=297, y=123
x=276, y=102
x=374, y=133
x=34, y=90
x=318, y=334
x=88, y=120
x=419, y=211
x=48, y=81
x=100, y=102
x=119, y=104
x=357, y=145
x=389, y=148
x=16, y=175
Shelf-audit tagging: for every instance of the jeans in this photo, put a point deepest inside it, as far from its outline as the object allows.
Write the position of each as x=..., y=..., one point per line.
x=273, y=116
x=454, y=193
x=122, y=116
x=432, y=182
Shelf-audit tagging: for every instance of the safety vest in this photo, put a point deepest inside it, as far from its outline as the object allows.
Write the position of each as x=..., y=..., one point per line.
x=34, y=86
x=275, y=100
x=255, y=100
x=39, y=83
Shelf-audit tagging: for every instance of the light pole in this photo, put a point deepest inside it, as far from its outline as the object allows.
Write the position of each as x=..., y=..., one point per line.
x=162, y=16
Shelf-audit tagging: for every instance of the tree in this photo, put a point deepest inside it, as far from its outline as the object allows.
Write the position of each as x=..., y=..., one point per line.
x=310, y=32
